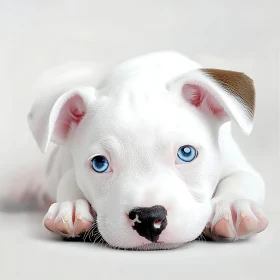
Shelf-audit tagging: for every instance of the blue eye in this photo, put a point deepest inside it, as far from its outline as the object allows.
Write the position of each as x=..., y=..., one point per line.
x=187, y=153
x=100, y=164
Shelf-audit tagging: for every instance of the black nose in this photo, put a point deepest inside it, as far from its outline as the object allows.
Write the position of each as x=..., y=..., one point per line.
x=149, y=222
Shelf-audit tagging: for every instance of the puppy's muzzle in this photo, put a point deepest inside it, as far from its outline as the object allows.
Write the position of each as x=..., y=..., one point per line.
x=149, y=222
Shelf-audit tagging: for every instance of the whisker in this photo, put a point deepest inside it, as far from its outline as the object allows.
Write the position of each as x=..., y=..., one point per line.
x=88, y=232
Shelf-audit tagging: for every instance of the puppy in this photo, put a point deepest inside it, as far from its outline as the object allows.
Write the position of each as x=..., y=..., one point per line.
x=147, y=156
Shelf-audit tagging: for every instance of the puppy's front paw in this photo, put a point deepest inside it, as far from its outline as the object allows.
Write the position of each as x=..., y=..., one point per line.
x=237, y=220
x=70, y=218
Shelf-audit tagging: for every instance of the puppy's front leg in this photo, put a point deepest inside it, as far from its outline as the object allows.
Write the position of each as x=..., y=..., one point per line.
x=71, y=215
x=237, y=203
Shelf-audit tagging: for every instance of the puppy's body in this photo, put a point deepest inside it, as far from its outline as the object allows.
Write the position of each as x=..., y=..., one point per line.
x=138, y=117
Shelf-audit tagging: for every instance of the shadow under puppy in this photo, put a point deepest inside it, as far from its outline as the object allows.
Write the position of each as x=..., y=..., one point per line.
x=147, y=155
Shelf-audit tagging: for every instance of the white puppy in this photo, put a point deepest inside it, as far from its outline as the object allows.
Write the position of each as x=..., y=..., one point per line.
x=147, y=156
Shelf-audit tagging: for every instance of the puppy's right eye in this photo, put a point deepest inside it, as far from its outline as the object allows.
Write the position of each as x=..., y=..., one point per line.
x=186, y=154
x=100, y=164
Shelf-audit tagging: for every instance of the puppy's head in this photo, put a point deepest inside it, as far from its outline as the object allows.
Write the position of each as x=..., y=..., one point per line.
x=147, y=157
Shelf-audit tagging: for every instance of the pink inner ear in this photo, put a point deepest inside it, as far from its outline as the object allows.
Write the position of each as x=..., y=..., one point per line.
x=72, y=112
x=77, y=111
x=202, y=99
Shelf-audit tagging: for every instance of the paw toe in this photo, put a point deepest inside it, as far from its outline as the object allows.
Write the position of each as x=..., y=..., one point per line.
x=246, y=226
x=63, y=227
x=81, y=226
x=64, y=220
x=223, y=229
x=262, y=220
x=49, y=224
x=262, y=224
x=51, y=216
x=83, y=217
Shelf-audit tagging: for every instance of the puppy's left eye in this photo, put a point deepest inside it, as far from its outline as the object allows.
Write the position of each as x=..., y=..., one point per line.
x=186, y=153
x=100, y=164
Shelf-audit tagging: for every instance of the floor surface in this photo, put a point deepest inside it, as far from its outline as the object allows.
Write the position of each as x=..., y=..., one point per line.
x=28, y=251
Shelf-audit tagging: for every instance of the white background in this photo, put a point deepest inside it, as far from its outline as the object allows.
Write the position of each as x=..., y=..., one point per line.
x=238, y=35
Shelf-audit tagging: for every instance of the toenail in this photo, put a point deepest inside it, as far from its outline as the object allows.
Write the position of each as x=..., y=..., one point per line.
x=226, y=217
x=49, y=216
x=242, y=214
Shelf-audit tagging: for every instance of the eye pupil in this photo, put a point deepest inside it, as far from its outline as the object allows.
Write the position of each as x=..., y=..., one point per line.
x=100, y=164
x=187, y=153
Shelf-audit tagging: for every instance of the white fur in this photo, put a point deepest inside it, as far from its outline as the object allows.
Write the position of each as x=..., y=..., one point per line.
x=137, y=119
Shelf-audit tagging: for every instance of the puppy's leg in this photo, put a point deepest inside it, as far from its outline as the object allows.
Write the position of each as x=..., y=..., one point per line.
x=71, y=215
x=237, y=212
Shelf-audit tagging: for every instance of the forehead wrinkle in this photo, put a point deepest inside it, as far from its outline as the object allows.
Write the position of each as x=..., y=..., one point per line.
x=140, y=95
x=148, y=136
x=110, y=143
x=166, y=120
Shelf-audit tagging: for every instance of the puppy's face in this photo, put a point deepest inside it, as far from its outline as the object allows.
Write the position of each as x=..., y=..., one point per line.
x=145, y=153
x=148, y=164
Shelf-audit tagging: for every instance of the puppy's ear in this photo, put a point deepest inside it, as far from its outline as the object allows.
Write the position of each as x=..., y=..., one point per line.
x=52, y=117
x=224, y=94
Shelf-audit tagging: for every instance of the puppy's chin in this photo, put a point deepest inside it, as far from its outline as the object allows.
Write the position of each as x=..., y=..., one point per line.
x=155, y=246
x=149, y=246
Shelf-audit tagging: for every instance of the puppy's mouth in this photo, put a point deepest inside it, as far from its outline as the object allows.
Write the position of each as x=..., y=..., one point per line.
x=93, y=235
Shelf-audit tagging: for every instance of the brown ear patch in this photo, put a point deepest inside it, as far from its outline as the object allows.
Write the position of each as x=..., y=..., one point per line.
x=236, y=83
